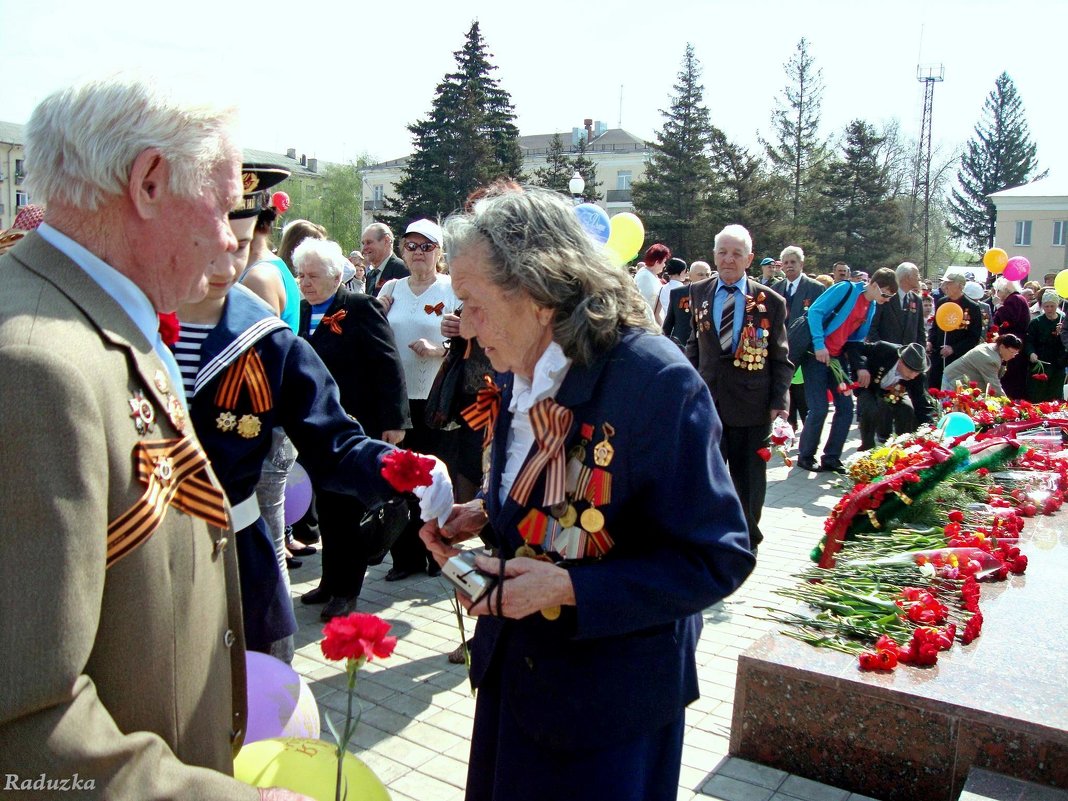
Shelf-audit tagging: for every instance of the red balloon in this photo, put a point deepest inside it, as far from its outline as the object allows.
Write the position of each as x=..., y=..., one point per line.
x=280, y=201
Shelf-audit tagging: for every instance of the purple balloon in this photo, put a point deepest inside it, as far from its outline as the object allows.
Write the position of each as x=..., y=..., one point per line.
x=280, y=703
x=1017, y=268
x=298, y=494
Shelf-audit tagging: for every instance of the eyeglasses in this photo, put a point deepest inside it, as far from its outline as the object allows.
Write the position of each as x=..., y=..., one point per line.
x=426, y=247
x=885, y=294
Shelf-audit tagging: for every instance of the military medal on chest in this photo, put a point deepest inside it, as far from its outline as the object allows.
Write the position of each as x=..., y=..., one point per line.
x=142, y=412
x=752, y=349
x=246, y=375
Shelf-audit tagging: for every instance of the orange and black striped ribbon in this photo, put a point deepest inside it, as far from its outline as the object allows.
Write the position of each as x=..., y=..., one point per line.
x=248, y=372
x=333, y=321
x=438, y=309
x=550, y=422
x=174, y=473
x=482, y=414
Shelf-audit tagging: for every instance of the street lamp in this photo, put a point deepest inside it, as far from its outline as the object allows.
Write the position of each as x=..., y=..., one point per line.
x=575, y=186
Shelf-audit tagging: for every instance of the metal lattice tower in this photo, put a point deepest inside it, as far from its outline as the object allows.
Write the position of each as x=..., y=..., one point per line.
x=928, y=76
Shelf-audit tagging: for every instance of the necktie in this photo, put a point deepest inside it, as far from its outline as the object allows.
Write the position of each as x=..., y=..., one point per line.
x=789, y=293
x=726, y=321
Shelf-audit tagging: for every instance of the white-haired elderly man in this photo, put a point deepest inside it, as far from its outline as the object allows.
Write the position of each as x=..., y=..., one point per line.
x=945, y=347
x=900, y=320
x=124, y=670
x=800, y=292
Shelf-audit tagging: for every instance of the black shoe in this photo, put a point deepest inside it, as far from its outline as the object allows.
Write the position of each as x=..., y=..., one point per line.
x=338, y=606
x=292, y=563
x=834, y=466
x=299, y=549
x=807, y=463
x=396, y=574
x=433, y=569
x=317, y=596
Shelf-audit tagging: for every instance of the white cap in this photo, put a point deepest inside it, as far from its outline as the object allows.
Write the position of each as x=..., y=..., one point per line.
x=431, y=230
x=974, y=290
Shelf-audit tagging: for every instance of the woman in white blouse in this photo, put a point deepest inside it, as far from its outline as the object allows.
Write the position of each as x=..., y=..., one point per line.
x=414, y=308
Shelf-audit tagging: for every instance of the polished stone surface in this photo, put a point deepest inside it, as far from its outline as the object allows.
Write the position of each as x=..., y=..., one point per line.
x=999, y=703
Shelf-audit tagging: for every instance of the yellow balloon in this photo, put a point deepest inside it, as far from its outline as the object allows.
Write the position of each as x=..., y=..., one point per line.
x=995, y=260
x=305, y=766
x=949, y=316
x=1060, y=283
x=626, y=235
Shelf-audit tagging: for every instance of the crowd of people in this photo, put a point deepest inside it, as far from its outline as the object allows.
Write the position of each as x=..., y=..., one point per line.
x=175, y=364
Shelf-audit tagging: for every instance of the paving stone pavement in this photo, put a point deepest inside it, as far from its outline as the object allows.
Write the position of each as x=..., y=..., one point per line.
x=418, y=708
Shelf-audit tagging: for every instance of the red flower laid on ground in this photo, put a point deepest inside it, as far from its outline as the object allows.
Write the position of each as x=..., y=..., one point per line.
x=406, y=470
x=357, y=636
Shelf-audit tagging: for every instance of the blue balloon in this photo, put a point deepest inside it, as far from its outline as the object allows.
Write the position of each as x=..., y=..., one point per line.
x=956, y=423
x=595, y=220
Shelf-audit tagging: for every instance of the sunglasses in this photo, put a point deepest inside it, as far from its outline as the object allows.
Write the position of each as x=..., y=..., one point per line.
x=426, y=247
x=886, y=294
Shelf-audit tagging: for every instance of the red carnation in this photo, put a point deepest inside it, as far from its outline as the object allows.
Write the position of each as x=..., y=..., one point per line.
x=764, y=453
x=357, y=636
x=168, y=328
x=406, y=470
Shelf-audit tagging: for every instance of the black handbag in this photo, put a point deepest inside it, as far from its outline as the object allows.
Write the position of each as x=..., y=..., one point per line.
x=446, y=393
x=799, y=335
x=381, y=526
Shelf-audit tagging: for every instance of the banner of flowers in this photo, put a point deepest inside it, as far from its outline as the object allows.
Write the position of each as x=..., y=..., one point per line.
x=925, y=524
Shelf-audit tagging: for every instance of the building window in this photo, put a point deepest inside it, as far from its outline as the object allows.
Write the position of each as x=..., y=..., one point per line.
x=1058, y=232
x=19, y=171
x=21, y=199
x=377, y=193
x=1023, y=232
x=623, y=180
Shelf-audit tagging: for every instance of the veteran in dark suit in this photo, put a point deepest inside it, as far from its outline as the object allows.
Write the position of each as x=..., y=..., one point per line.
x=895, y=399
x=677, y=318
x=584, y=658
x=382, y=263
x=800, y=291
x=738, y=345
x=127, y=670
x=945, y=347
x=901, y=320
x=350, y=333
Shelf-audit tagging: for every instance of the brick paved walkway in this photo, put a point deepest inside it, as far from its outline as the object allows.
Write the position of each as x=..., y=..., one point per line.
x=418, y=707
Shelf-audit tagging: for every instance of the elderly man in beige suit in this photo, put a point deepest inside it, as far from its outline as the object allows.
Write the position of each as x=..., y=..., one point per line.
x=121, y=648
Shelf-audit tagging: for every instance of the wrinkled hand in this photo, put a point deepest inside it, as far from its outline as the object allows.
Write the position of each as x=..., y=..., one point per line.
x=393, y=437
x=450, y=326
x=281, y=794
x=946, y=350
x=465, y=521
x=823, y=356
x=863, y=378
x=530, y=585
x=424, y=347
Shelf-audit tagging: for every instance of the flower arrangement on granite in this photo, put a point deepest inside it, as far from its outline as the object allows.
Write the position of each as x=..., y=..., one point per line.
x=990, y=410
x=356, y=638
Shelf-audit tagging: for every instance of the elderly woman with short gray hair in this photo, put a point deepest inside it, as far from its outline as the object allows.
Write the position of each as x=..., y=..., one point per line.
x=945, y=347
x=1012, y=316
x=604, y=561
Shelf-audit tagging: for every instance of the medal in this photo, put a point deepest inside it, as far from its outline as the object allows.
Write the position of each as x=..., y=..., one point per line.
x=226, y=421
x=525, y=550
x=176, y=412
x=160, y=381
x=557, y=509
x=532, y=527
x=592, y=520
x=142, y=413
x=603, y=450
x=249, y=426
x=550, y=612
x=567, y=519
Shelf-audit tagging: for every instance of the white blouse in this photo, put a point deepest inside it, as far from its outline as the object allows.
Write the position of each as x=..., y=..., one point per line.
x=415, y=317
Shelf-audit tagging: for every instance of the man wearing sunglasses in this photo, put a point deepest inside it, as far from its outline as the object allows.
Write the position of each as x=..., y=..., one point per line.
x=839, y=320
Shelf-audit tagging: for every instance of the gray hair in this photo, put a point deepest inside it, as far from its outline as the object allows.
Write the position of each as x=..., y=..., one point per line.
x=906, y=268
x=380, y=230
x=326, y=251
x=1051, y=297
x=792, y=250
x=1003, y=284
x=81, y=142
x=535, y=245
x=736, y=231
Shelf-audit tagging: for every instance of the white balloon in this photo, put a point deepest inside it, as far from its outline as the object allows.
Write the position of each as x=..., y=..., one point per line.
x=974, y=290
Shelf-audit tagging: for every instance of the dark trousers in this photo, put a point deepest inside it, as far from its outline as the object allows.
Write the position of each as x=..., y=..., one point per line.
x=408, y=552
x=818, y=379
x=798, y=405
x=877, y=419
x=749, y=473
x=344, y=556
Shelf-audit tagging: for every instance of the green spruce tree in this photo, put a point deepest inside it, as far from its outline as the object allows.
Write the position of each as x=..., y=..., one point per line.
x=558, y=168
x=587, y=168
x=859, y=219
x=1001, y=155
x=677, y=193
x=468, y=139
x=750, y=195
x=796, y=150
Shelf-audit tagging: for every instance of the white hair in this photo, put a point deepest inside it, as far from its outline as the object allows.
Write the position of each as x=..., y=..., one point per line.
x=81, y=142
x=379, y=230
x=1003, y=284
x=736, y=231
x=327, y=252
x=792, y=250
x=1050, y=297
x=906, y=268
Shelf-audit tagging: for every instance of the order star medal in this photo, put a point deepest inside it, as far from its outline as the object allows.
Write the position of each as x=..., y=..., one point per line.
x=142, y=412
x=603, y=452
x=249, y=426
x=176, y=412
x=226, y=421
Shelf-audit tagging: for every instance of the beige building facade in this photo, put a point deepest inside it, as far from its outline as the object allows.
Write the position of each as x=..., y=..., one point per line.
x=620, y=157
x=13, y=192
x=1032, y=221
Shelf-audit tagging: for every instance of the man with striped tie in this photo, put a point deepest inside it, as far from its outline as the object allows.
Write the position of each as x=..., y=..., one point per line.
x=738, y=345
